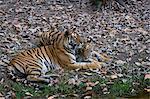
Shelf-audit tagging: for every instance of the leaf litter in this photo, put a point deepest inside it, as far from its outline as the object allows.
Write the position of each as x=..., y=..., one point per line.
x=123, y=36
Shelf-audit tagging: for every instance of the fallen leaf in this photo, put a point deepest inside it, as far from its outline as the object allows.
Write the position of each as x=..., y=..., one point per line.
x=89, y=74
x=92, y=83
x=147, y=76
x=88, y=88
x=87, y=97
x=72, y=81
x=113, y=76
x=148, y=90
x=105, y=89
x=53, y=96
x=1, y=96
x=28, y=94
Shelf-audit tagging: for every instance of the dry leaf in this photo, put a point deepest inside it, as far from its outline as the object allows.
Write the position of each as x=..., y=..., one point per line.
x=53, y=96
x=113, y=76
x=89, y=74
x=147, y=76
x=87, y=97
x=88, y=88
x=28, y=94
x=72, y=81
x=1, y=96
x=148, y=90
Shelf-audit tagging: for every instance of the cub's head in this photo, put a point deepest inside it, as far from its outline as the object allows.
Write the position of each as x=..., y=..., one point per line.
x=71, y=40
x=83, y=52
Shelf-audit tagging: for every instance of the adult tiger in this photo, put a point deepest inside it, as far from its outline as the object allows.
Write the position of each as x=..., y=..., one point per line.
x=35, y=63
x=50, y=37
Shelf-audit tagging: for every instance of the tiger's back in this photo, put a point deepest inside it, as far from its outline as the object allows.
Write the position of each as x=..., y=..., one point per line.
x=49, y=37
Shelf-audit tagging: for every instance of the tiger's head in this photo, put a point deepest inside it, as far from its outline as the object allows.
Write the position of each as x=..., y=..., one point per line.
x=71, y=40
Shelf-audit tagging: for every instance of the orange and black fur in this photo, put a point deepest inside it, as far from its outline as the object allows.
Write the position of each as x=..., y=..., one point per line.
x=83, y=53
x=35, y=63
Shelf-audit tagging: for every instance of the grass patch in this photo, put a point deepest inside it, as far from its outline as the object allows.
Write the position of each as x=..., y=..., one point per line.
x=119, y=87
x=1, y=88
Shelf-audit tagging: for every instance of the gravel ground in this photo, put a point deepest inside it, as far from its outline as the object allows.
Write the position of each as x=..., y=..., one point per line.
x=123, y=36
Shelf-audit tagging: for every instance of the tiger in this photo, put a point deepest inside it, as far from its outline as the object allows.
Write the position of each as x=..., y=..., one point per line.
x=33, y=64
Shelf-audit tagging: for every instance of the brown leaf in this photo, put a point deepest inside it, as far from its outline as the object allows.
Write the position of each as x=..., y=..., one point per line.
x=87, y=97
x=88, y=88
x=89, y=74
x=1, y=96
x=147, y=76
x=72, y=81
x=113, y=76
x=92, y=84
x=148, y=90
x=53, y=96
x=28, y=94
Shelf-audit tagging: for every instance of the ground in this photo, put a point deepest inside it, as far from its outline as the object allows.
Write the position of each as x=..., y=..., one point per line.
x=122, y=35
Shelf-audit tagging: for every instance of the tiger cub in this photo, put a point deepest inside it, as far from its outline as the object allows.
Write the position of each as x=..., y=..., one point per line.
x=85, y=52
x=33, y=64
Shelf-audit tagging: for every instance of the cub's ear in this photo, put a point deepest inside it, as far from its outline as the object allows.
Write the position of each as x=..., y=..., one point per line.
x=73, y=29
x=67, y=32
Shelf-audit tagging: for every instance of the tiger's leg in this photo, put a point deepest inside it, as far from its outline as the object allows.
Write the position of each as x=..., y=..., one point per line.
x=37, y=76
x=49, y=76
x=100, y=57
x=86, y=65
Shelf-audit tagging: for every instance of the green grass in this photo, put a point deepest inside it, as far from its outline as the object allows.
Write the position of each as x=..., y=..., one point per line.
x=1, y=87
x=117, y=88
x=121, y=88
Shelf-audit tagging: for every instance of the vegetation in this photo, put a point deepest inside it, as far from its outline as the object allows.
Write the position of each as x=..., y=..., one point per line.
x=93, y=86
x=100, y=3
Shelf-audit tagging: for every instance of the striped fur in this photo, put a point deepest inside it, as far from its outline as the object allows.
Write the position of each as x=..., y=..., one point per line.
x=35, y=63
x=83, y=53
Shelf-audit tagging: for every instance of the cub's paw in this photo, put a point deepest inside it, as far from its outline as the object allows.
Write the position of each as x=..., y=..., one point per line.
x=97, y=65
